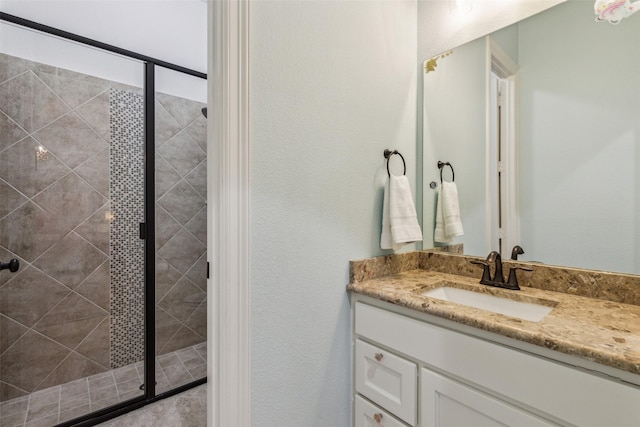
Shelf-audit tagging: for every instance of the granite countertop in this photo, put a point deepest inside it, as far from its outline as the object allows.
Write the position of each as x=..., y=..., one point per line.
x=603, y=331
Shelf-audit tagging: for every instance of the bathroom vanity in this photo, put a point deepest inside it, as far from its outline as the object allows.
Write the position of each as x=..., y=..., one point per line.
x=423, y=361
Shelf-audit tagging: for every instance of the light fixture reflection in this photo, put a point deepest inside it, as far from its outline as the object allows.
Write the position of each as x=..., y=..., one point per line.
x=42, y=153
x=460, y=7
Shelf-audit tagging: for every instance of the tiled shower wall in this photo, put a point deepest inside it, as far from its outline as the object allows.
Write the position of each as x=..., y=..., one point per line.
x=181, y=223
x=57, y=314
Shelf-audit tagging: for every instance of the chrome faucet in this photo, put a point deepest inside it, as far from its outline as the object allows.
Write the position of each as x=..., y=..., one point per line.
x=498, y=278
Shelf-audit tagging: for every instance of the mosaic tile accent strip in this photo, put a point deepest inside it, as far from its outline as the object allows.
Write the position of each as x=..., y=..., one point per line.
x=126, y=187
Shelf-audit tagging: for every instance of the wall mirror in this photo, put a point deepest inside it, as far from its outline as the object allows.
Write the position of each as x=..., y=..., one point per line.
x=573, y=139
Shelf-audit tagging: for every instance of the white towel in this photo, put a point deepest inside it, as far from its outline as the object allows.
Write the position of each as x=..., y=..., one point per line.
x=386, y=242
x=399, y=219
x=439, y=235
x=451, y=210
x=448, y=223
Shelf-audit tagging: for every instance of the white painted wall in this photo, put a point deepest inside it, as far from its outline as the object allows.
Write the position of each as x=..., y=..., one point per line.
x=170, y=30
x=332, y=85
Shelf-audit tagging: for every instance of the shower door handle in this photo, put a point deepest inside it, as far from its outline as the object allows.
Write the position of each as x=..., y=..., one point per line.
x=12, y=265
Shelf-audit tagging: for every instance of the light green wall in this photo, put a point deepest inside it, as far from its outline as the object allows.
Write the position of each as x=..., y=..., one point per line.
x=332, y=85
x=454, y=130
x=508, y=40
x=580, y=135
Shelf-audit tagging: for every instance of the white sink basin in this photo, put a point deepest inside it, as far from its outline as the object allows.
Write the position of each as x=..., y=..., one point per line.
x=521, y=310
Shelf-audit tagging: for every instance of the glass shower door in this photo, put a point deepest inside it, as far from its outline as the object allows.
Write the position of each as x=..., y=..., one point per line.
x=71, y=201
x=181, y=229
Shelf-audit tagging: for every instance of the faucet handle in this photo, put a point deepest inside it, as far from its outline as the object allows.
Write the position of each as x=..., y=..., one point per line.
x=512, y=283
x=486, y=274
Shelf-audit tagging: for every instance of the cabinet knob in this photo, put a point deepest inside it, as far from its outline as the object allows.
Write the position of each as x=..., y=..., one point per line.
x=377, y=418
x=378, y=357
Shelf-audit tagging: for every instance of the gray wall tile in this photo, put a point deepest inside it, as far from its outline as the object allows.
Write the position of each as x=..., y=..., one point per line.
x=71, y=139
x=21, y=169
x=10, y=132
x=29, y=102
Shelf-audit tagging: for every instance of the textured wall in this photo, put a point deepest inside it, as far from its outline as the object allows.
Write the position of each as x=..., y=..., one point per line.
x=332, y=86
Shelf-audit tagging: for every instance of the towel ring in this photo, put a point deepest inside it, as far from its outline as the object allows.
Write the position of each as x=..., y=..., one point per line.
x=387, y=155
x=441, y=166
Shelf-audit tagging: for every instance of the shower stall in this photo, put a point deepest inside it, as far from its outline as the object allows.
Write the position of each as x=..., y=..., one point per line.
x=103, y=201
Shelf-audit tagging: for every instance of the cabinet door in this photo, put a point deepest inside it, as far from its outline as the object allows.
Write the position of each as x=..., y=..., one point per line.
x=366, y=414
x=388, y=380
x=447, y=403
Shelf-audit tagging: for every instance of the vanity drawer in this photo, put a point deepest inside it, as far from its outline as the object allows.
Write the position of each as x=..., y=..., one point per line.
x=387, y=379
x=369, y=415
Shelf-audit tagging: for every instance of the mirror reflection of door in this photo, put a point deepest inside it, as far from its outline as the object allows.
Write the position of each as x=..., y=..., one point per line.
x=503, y=231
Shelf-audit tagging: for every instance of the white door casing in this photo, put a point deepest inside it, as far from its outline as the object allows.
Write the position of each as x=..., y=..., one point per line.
x=228, y=308
x=501, y=90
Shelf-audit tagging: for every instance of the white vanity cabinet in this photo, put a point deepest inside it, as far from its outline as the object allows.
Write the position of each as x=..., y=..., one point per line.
x=442, y=377
x=448, y=403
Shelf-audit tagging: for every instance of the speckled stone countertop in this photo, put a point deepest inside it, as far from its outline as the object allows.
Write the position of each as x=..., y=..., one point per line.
x=594, y=327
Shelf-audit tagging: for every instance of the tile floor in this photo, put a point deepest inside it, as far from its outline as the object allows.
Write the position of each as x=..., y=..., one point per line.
x=188, y=409
x=46, y=408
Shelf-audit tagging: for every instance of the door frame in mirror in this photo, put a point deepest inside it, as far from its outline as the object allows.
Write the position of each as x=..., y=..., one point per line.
x=501, y=197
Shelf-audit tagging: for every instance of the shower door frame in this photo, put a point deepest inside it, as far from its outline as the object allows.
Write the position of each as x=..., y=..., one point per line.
x=147, y=229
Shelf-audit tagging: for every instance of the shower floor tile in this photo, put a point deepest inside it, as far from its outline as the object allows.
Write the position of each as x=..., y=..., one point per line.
x=64, y=402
